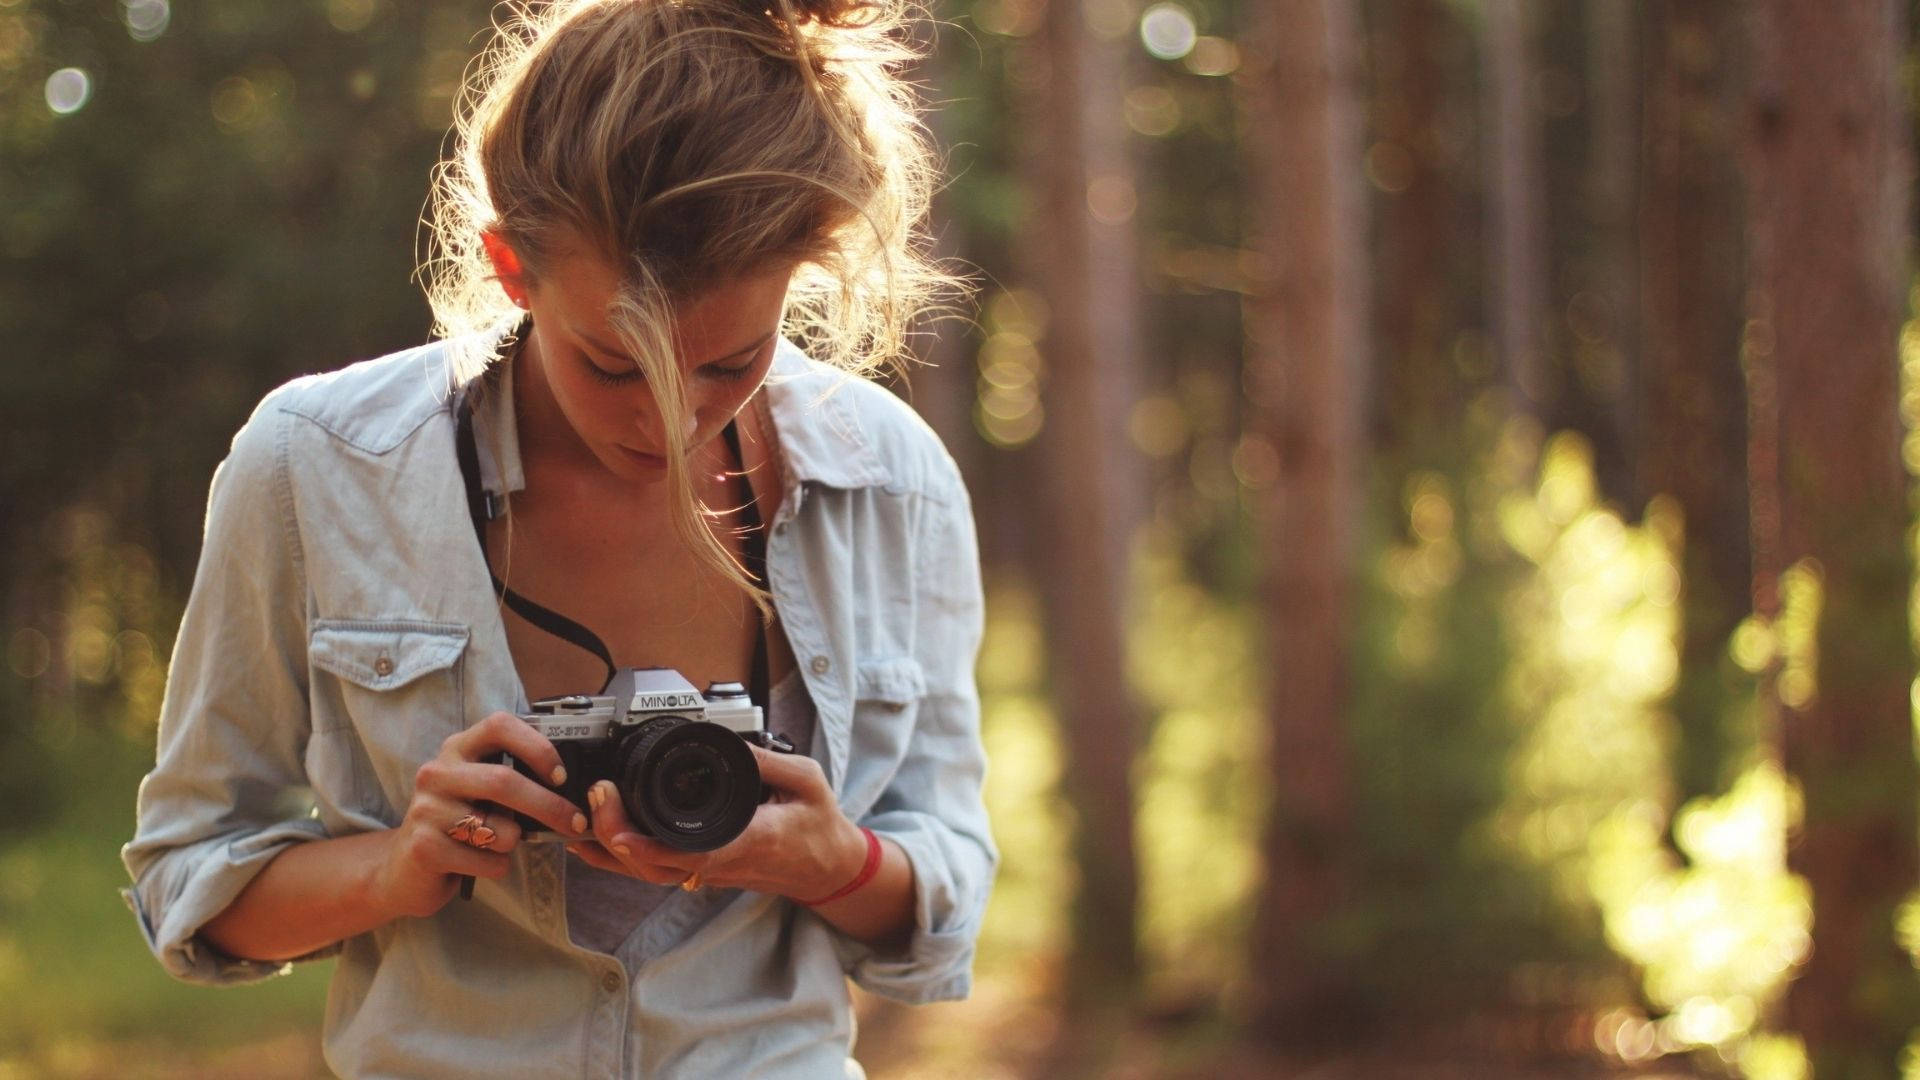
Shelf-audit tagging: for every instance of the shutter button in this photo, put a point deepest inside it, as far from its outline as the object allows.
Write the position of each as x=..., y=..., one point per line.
x=383, y=667
x=820, y=665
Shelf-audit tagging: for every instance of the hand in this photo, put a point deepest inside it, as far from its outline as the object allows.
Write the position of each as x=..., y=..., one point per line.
x=423, y=863
x=798, y=844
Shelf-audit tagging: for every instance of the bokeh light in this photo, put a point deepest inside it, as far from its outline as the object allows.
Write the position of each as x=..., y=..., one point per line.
x=68, y=90
x=146, y=20
x=349, y=16
x=1213, y=56
x=1152, y=111
x=1167, y=31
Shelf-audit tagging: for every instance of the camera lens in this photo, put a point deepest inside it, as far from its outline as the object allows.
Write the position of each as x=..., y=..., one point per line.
x=690, y=781
x=689, y=784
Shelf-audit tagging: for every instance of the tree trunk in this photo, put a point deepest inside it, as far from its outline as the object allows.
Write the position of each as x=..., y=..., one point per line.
x=1516, y=194
x=1606, y=339
x=1091, y=483
x=1830, y=214
x=1419, y=395
x=1305, y=329
x=1694, y=403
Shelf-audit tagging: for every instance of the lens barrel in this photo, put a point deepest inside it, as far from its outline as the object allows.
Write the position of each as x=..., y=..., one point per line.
x=693, y=786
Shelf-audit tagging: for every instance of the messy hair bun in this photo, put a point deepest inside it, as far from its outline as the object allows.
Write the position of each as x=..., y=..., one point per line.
x=840, y=13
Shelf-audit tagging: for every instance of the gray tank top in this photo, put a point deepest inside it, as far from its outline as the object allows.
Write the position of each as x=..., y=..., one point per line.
x=604, y=908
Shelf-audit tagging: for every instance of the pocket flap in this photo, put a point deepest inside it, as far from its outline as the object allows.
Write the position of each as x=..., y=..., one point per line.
x=384, y=655
x=896, y=680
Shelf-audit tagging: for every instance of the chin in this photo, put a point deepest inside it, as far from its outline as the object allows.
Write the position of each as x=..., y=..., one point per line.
x=634, y=462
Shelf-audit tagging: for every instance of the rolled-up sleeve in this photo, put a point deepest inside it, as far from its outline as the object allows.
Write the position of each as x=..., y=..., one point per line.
x=234, y=722
x=933, y=807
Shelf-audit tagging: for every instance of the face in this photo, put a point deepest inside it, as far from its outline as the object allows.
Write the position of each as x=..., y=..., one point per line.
x=726, y=338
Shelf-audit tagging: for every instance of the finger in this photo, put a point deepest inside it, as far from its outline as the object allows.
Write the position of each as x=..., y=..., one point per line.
x=473, y=862
x=430, y=849
x=795, y=773
x=599, y=857
x=617, y=834
x=609, y=812
x=506, y=832
x=504, y=731
x=472, y=782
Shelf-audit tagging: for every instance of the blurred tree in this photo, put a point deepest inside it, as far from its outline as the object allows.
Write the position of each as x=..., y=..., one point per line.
x=1603, y=350
x=1515, y=191
x=1830, y=158
x=202, y=201
x=942, y=388
x=1694, y=402
x=1090, y=490
x=1421, y=250
x=1307, y=349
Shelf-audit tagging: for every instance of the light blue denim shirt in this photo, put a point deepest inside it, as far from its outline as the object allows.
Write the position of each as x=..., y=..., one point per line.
x=341, y=626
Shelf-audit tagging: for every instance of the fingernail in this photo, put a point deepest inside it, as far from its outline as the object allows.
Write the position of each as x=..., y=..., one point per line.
x=579, y=822
x=559, y=775
x=595, y=796
x=621, y=850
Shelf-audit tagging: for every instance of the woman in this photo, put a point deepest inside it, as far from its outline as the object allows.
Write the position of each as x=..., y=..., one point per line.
x=613, y=436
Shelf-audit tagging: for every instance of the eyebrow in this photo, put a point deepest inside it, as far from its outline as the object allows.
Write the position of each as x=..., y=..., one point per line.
x=610, y=351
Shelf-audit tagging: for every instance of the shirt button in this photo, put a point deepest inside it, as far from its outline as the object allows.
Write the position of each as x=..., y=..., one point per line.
x=820, y=664
x=610, y=982
x=383, y=667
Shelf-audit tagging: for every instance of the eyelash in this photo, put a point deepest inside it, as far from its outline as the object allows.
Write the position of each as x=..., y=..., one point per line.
x=608, y=378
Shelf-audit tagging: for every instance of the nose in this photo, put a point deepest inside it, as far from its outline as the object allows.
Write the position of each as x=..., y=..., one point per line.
x=688, y=426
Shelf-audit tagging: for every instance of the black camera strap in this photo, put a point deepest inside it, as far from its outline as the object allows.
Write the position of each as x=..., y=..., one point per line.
x=482, y=507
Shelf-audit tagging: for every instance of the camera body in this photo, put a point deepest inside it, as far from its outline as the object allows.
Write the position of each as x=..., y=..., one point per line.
x=677, y=755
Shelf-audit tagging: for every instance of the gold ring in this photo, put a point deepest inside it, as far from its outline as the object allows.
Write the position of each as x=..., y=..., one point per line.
x=692, y=882
x=473, y=830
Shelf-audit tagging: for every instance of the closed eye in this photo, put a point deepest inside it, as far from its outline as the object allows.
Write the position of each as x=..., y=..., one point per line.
x=613, y=378
x=723, y=369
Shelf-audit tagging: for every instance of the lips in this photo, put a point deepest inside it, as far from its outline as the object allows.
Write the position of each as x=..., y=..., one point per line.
x=643, y=457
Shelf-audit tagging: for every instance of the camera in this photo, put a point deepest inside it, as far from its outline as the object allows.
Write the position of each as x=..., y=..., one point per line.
x=677, y=755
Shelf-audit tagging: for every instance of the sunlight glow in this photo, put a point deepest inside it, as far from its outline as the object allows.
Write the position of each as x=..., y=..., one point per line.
x=68, y=90
x=146, y=20
x=1007, y=408
x=1167, y=31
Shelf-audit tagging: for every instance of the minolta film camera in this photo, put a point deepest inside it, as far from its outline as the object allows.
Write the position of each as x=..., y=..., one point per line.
x=677, y=756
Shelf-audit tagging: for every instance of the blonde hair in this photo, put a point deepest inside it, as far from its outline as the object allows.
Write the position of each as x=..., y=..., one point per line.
x=689, y=143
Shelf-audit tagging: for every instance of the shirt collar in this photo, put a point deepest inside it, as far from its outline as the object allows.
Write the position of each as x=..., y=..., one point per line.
x=818, y=431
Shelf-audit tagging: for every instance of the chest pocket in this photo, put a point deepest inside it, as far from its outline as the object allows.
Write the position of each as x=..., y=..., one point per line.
x=893, y=683
x=384, y=694
x=886, y=696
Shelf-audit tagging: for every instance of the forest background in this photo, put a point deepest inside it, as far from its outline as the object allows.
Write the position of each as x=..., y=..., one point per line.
x=1443, y=469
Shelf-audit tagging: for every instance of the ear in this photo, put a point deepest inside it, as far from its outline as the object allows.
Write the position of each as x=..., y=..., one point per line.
x=506, y=267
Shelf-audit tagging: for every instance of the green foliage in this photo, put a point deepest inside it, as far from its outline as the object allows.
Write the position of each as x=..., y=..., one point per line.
x=79, y=981
x=1451, y=913
x=1200, y=785
x=234, y=203
x=1031, y=822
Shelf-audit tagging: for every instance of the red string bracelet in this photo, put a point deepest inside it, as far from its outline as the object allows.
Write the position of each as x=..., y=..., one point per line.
x=867, y=870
